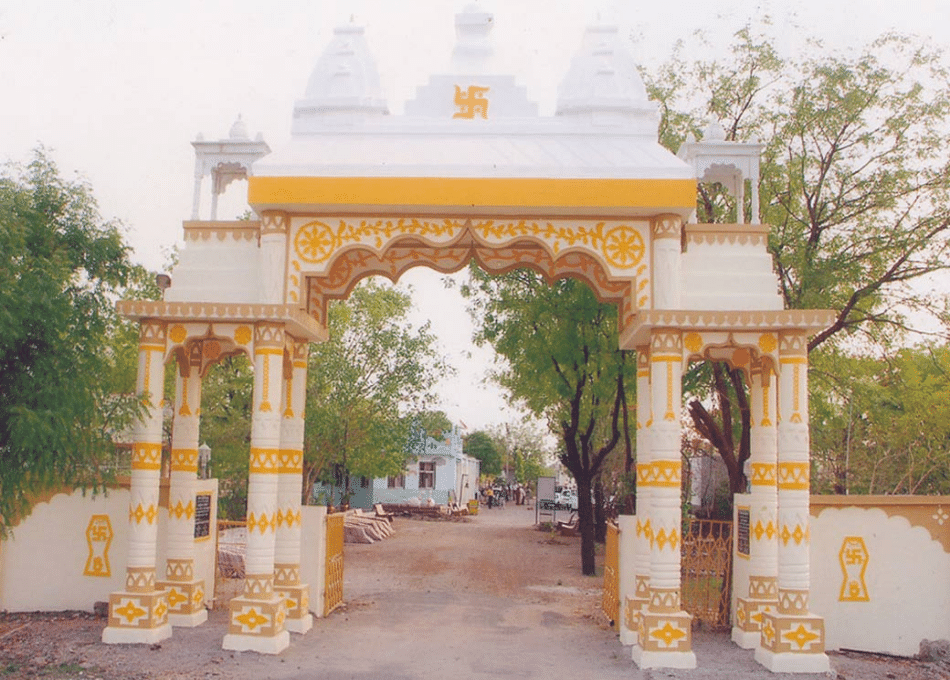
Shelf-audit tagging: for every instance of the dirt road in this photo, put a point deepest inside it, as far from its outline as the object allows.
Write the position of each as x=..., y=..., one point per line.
x=487, y=598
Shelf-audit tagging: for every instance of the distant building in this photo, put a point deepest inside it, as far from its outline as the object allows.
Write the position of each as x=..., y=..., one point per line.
x=442, y=473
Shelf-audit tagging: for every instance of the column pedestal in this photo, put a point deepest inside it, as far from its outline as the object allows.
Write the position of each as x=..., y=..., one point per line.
x=186, y=607
x=793, y=643
x=137, y=618
x=666, y=641
x=257, y=625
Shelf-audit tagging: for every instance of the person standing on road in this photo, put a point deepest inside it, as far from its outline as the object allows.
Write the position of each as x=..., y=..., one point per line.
x=491, y=497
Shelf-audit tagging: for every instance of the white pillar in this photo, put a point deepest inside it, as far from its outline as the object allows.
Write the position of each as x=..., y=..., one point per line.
x=258, y=614
x=139, y=614
x=763, y=522
x=274, y=228
x=665, y=633
x=793, y=640
x=667, y=231
x=634, y=606
x=186, y=594
x=289, y=485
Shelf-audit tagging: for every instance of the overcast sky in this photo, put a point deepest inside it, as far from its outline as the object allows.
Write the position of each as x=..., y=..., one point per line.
x=117, y=90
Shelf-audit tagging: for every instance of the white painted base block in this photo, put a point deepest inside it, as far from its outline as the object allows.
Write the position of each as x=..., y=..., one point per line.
x=301, y=625
x=115, y=635
x=644, y=659
x=793, y=663
x=746, y=639
x=627, y=637
x=256, y=643
x=188, y=620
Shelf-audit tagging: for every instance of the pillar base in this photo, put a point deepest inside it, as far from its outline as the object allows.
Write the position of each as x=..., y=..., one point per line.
x=793, y=643
x=257, y=626
x=749, y=615
x=630, y=623
x=665, y=641
x=644, y=659
x=297, y=602
x=745, y=639
x=301, y=625
x=137, y=618
x=186, y=608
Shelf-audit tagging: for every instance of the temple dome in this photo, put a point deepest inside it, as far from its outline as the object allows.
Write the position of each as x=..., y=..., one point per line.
x=603, y=79
x=345, y=80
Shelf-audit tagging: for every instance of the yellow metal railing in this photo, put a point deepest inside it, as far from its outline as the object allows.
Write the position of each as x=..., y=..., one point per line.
x=610, y=601
x=707, y=571
x=333, y=588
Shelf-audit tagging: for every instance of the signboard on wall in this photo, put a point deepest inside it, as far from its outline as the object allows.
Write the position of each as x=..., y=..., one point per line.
x=742, y=531
x=202, y=515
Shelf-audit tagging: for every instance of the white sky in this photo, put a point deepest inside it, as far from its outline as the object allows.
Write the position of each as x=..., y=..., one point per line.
x=118, y=89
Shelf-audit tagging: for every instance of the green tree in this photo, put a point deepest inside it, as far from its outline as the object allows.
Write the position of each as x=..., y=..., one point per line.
x=61, y=267
x=481, y=445
x=886, y=430
x=227, y=392
x=562, y=362
x=365, y=386
x=855, y=183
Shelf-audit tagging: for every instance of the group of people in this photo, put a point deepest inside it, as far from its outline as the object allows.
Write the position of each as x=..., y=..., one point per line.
x=498, y=495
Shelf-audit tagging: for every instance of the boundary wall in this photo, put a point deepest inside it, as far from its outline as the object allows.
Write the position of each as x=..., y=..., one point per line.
x=71, y=550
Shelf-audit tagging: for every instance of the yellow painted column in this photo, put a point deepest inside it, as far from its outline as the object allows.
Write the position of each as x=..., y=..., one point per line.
x=186, y=594
x=290, y=481
x=763, y=500
x=665, y=634
x=139, y=614
x=634, y=606
x=793, y=640
x=257, y=615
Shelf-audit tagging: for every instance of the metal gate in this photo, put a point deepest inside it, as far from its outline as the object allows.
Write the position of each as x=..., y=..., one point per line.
x=610, y=601
x=333, y=588
x=707, y=571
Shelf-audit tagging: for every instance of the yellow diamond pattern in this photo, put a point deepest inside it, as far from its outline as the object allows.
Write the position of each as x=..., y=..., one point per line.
x=251, y=619
x=130, y=611
x=800, y=636
x=668, y=634
x=175, y=597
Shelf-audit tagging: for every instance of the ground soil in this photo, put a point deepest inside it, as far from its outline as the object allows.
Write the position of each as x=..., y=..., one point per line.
x=489, y=597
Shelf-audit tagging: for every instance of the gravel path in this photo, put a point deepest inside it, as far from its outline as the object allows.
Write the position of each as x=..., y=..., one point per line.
x=490, y=597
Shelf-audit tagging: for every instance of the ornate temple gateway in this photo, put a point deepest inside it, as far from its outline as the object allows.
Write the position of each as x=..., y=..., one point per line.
x=471, y=171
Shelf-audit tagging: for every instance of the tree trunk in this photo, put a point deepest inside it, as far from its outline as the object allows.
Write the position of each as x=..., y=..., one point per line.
x=585, y=518
x=600, y=516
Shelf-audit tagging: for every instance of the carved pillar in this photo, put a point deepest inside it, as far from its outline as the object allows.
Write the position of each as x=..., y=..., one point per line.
x=763, y=501
x=667, y=261
x=139, y=614
x=186, y=594
x=634, y=606
x=274, y=228
x=793, y=640
x=258, y=614
x=287, y=552
x=665, y=637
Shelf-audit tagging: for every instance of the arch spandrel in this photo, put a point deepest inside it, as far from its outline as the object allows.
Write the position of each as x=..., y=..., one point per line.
x=329, y=255
x=742, y=350
x=553, y=250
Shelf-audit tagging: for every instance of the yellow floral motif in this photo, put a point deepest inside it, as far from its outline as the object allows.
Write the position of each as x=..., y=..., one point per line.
x=175, y=598
x=668, y=634
x=130, y=611
x=316, y=241
x=177, y=333
x=197, y=597
x=800, y=636
x=251, y=619
x=623, y=247
x=768, y=342
x=693, y=342
x=242, y=335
